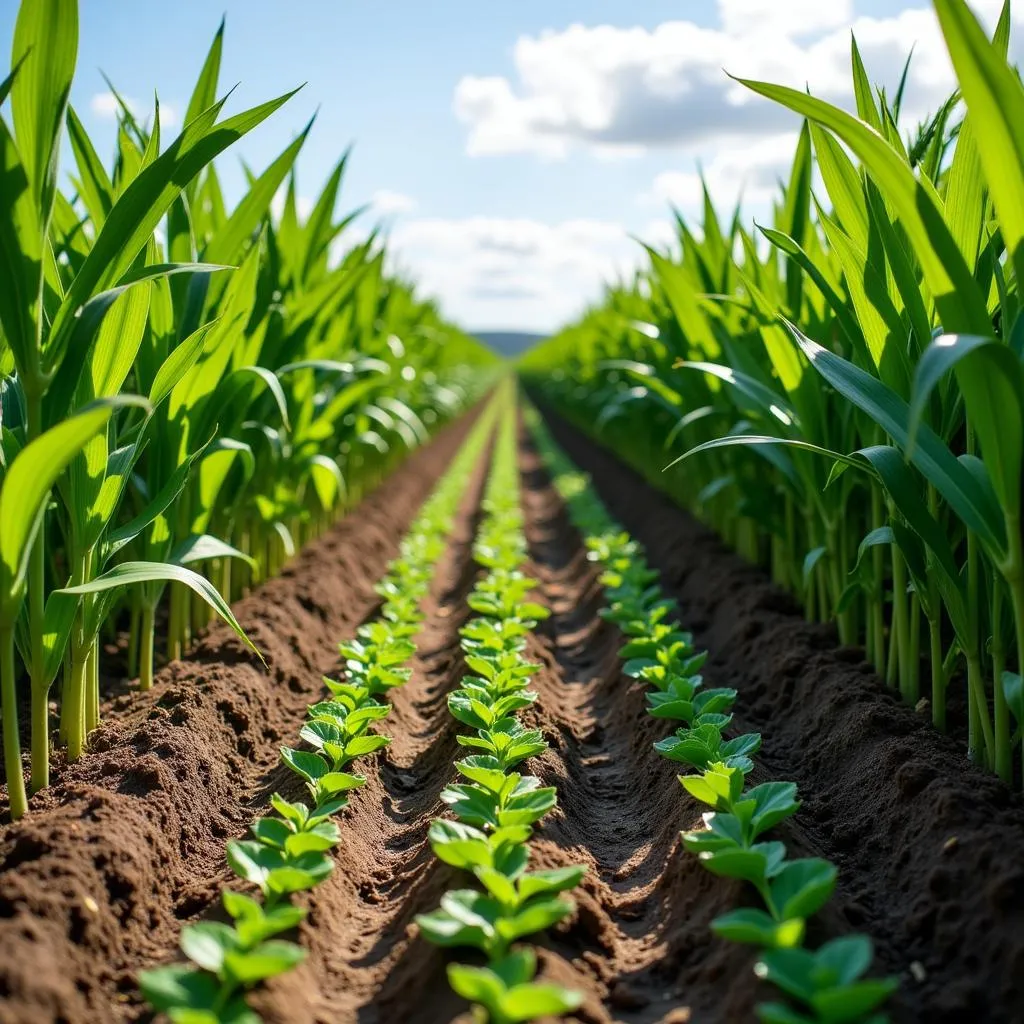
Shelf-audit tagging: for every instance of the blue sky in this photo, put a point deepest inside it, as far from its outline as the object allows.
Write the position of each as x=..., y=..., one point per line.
x=513, y=147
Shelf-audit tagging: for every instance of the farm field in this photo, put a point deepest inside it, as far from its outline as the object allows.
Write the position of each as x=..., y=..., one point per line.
x=139, y=825
x=351, y=670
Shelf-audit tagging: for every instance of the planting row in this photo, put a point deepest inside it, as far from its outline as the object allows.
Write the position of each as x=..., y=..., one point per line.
x=826, y=985
x=494, y=807
x=197, y=386
x=848, y=388
x=290, y=851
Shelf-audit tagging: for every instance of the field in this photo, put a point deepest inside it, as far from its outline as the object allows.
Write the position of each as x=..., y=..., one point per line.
x=669, y=674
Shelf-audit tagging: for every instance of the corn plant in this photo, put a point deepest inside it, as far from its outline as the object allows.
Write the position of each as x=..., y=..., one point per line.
x=494, y=807
x=290, y=852
x=848, y=394
x=249, y=385
x=827, y=984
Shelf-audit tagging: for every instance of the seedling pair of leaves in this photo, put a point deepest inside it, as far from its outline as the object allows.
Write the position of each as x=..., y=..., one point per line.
x=684, y=701
x=379, y=667
x=499, y=674
x=489, y=637
x=502, y=595
x=322, y=781
x=340, y=735
x=505, y=992
x=492, y=799
x=480, y=708
x=226, y=960
x=829, y=982
x=508, y=742
x=703, y=745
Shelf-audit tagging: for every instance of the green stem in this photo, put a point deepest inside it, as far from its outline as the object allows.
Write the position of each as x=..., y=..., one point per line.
x=979, y=700
x=900, y=622
x=74, y=699
x=72, y=708
x=38, y=682
x=1014, y=575
x=12, y=739
x=913, y=690
x=92, y=688
x=938, y=676
x=1001, y=712
x=133, y=633
x=147, y=637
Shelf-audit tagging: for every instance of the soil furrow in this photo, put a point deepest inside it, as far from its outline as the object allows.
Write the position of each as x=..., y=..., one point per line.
x=365, y=961
x=639, y=941
x=129, y=843
x=920, y=835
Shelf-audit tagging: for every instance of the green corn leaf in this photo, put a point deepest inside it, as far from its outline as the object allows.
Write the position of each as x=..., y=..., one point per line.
x=991, y=380
x=994, y=96
x=45, y=50
x=25, y=487
x=129, y=573
x=955, y=291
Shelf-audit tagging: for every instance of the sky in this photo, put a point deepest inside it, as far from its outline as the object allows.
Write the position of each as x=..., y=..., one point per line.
x=515, y=151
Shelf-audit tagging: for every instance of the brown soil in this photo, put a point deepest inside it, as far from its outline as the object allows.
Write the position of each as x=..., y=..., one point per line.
x=128, y=845
x=927, y=845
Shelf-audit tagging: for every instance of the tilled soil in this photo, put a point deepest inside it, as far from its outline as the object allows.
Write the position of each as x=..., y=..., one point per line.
x=96, y=882
x=927, y=846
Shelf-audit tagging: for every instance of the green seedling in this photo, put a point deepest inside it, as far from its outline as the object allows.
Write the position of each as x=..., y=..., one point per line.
x=505, y=993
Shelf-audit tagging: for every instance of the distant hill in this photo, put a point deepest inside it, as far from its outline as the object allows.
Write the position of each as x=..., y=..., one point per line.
x=508, y=343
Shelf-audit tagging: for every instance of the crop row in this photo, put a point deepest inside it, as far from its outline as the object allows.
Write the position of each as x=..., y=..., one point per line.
x=845, y=379
x=827, y=984
x=495, y=807
x=290, y=852
x=197, y=385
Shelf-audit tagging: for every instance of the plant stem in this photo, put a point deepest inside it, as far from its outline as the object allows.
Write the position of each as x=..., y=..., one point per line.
x=1001, y=712
x=92, y=688
x=913, y=694
x=12, y=740
x=38, y=682
x=938, y=677
x=74, y=699
x=147, y=637
x=133, y=634
x=977, y=698
x=901, y=623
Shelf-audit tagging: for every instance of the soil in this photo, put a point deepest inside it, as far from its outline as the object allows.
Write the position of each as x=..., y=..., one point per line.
x=129, y=845
x=97, y=880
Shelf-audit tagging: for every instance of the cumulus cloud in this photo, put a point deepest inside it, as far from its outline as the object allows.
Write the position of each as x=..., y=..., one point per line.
x=605, y=87
x=532, y=275
x=750, y=173
x=386, y=201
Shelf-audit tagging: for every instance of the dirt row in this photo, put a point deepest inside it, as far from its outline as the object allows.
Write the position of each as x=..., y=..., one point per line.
x=926, y=844
x=96, y=882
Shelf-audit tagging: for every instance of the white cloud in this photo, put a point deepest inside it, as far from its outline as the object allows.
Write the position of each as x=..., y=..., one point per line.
x=492, y=271
x=105, y=105
x=385, y=201
x=791, y=18
x=751, y=173
x=605, y=88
